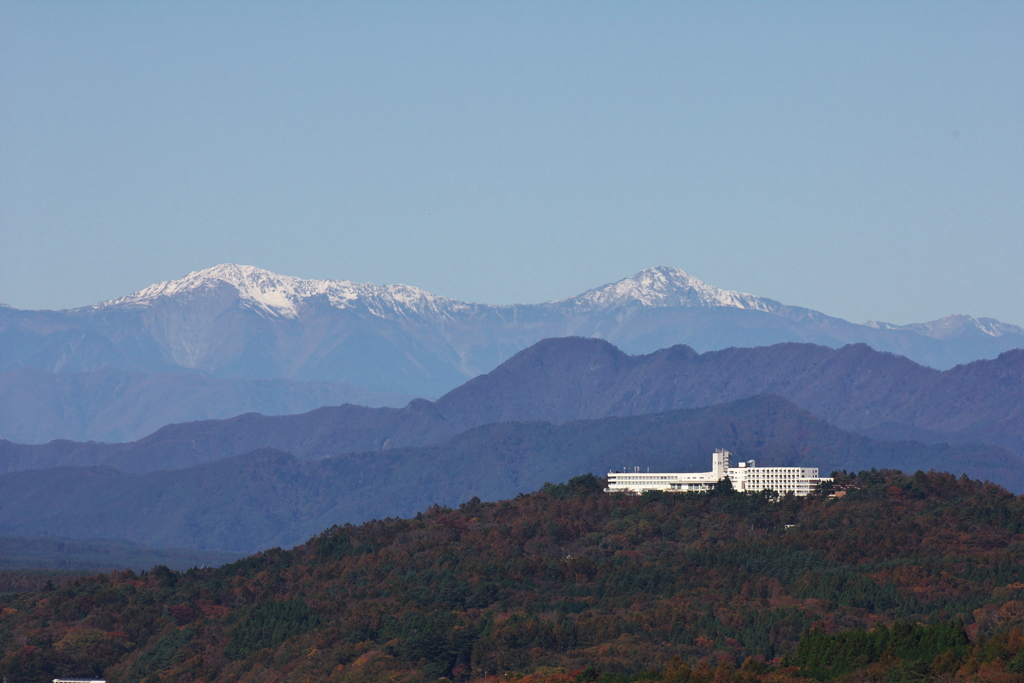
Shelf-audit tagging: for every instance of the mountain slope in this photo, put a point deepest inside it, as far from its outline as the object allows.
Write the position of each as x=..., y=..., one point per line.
x=117, y=406
x=268, y=497
x=854, y=387
x=906, y=578
x=560, y=380
x=234, y=321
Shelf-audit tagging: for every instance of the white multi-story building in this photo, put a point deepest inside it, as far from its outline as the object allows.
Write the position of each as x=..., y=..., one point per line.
x=746, y=476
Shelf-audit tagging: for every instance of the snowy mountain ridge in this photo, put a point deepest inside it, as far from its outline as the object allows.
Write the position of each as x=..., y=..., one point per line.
x=249, y=339
x=952, y=325
x=281, y=295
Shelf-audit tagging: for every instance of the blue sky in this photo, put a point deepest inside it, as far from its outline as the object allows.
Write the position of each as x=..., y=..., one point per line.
x=865, y=159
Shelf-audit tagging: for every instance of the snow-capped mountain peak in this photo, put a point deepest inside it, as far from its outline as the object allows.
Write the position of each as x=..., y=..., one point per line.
x=281, y=295
x=666, y=286
x=953, y=325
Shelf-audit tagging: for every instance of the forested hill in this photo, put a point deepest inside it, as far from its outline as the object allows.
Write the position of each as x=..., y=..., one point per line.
x=904, y=578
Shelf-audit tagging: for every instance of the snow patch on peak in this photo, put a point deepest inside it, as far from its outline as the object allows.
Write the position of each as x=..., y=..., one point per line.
x=953, y=326
x=666, y=286
x=267, y=291
x=281, y=295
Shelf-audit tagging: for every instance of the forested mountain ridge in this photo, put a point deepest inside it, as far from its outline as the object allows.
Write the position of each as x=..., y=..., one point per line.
x=904, y=578
x=268, y=497
x=560, y=380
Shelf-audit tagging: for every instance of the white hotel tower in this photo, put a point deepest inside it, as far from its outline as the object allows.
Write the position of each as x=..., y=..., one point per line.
x=746, y=476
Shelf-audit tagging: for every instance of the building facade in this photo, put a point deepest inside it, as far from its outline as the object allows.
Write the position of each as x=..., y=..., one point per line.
x=746, y=476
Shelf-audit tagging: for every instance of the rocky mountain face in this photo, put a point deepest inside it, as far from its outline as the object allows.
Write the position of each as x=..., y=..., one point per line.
x=563, y=380
x=396, y=341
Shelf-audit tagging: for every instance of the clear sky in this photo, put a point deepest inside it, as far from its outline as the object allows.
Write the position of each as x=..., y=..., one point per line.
x=865, y=159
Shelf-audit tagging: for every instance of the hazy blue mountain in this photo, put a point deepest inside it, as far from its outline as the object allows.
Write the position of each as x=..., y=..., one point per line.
x=114, y=405
x=268, y=497
x=242, y=322
x=561, y=380
x=99, y=555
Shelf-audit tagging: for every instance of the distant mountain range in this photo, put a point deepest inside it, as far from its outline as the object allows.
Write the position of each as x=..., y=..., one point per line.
x=267, y=497
x=116, y=405
x=561, y=380
x=226, y=326
x=559, y=408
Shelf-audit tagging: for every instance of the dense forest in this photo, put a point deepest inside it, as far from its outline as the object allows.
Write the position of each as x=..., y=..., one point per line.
x=903, y=578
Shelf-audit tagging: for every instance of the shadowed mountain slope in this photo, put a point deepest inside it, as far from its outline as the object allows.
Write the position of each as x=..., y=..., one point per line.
x=560, y=380
x=268, y=497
